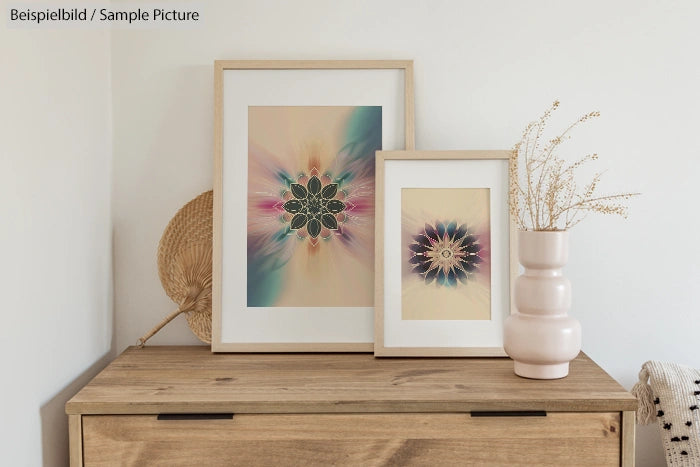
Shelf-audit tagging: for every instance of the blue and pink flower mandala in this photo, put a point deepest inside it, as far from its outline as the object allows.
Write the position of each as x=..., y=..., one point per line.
x=446, y=253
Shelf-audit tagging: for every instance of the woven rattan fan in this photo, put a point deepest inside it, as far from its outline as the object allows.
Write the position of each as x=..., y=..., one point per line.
x=184, y=266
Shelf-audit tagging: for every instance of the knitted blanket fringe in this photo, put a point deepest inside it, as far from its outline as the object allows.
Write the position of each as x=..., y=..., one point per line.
x=642, y=391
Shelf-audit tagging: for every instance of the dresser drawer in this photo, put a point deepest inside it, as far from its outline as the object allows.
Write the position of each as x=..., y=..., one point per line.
x=353, y=439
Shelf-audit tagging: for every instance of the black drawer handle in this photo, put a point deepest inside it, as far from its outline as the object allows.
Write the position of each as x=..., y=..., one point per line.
x=512, y=413
x=195, y=416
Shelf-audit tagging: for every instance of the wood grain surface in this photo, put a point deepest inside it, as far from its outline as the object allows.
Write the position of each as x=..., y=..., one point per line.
x=628, y=428
x=186, y=379
x=362, y=439
x=75, y=439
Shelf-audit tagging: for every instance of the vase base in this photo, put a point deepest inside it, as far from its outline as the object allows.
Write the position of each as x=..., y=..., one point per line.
x=533, y=371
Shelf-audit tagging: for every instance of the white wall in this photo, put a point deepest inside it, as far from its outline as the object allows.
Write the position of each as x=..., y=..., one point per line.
x=55, y=232
x=483, y=70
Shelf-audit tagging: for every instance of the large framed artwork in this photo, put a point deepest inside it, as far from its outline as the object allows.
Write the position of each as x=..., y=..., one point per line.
x=295, y=145
x=445, y=254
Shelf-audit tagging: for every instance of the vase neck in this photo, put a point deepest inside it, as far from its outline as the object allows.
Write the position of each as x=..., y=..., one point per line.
x=543, y=250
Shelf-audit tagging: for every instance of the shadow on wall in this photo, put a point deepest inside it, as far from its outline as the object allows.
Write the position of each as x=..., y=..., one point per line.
x=54, y=421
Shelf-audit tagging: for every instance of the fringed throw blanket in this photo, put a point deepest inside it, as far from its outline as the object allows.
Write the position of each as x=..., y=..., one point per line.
x=670, y=394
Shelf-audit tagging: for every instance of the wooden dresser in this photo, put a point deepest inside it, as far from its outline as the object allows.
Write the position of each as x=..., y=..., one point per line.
x=184, y=406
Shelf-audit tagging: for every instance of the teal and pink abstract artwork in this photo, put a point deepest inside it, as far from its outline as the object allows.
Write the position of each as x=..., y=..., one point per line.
x=310, y=206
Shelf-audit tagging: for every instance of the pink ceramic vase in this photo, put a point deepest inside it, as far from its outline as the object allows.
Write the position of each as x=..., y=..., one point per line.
x=539, y=336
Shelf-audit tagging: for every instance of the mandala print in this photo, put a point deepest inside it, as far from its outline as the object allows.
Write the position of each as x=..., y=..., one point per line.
x=445, y=253
x=310, y=205
x=314, y=206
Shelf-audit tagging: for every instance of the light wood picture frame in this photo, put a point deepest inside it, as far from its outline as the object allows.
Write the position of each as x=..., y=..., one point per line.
x=265, y=111
x=445, y=253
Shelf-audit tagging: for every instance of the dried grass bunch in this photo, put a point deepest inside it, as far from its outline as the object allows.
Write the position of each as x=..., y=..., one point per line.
x=543, y=190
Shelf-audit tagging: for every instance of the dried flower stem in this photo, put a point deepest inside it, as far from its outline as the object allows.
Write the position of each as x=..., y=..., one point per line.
x=545, y=195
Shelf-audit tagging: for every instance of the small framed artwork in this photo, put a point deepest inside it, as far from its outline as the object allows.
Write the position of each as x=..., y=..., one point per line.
x=295, y=144
x=445, y=255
